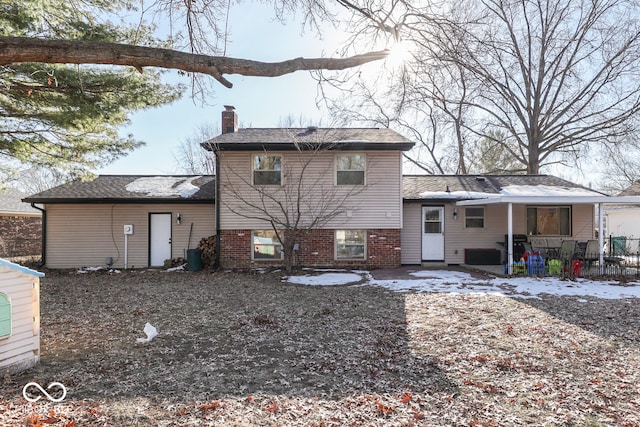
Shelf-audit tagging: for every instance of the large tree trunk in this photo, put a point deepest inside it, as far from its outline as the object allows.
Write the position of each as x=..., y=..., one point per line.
x=27, y=49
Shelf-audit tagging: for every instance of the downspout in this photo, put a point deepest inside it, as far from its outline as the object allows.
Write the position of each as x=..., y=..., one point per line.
x=43, y=238
x=510, y=239
x=216, y=265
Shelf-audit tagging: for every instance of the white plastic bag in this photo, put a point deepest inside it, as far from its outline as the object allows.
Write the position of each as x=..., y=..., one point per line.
x=151, y=333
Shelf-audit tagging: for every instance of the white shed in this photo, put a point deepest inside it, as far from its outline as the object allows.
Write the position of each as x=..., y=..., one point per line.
x=19, y=317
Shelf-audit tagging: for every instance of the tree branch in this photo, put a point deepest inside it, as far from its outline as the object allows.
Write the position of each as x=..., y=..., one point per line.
x=27, y=49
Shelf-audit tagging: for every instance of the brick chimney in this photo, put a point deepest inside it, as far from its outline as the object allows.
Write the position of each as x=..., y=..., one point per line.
x=229, y=119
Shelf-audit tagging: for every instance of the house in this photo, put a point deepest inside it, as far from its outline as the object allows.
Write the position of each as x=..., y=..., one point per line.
x=622, y=222
x=20, y=225
x=340, y=189
x=128, y=221
x=19, y=317
x=330, y=197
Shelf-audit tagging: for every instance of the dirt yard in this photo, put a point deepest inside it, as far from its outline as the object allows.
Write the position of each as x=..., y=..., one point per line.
x=250, y=350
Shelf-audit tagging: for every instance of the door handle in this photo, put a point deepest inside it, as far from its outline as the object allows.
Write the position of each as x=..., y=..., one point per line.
x=169, y=240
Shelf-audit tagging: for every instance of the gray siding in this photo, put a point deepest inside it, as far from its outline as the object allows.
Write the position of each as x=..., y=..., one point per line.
x=377, y=205
x=83, y=235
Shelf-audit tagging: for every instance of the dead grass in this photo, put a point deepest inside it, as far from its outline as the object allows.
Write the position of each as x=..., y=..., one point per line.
x=249, y=350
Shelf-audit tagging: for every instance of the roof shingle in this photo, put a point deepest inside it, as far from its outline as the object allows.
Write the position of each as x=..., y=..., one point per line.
x=306, y=138
x=131, y=188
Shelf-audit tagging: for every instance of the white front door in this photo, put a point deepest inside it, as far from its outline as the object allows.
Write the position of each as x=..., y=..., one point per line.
x=433, y=233
x=159, y=239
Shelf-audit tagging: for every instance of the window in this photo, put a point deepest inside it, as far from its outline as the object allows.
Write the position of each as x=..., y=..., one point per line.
x=266, y=245
x=549, y=221
x=350, y=169
x=432, y=221
x=474, y=217
x=267, y=169
x=350, y=244
x=5, y=316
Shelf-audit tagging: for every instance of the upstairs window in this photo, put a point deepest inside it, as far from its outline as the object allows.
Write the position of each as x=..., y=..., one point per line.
x=474, y=217
x=549, y=221
x=350, y=169
x=267, y=169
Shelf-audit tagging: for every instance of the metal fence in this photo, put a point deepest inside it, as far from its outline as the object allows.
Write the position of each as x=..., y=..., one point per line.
x=621, y=257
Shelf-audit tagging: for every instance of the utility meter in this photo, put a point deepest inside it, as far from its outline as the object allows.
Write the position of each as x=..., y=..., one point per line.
x=128, y=229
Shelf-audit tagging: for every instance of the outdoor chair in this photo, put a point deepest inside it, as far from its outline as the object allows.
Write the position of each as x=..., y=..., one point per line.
x=567, y=250
x=591, y=253
x=566, y=255
x=535, y=265
x=555, y=267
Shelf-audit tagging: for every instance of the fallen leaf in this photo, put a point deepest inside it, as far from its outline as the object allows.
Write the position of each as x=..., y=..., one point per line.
x=406, y=398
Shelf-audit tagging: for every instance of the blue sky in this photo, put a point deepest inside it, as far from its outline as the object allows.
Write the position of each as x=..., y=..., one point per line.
x=259, y=101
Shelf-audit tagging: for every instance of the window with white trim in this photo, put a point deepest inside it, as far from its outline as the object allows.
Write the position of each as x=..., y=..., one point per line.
x=351, y=244
x=350, y=169
x=267, y=169
x=549, y=220
x=266, y=245
x=474, y=217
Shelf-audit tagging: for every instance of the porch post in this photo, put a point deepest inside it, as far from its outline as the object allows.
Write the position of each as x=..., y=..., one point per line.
x=509, y=238
x=600, y=239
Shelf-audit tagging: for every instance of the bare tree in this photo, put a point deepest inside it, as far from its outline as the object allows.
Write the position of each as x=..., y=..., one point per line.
x=31, y=179
x=422, y=100
x=191, y=158
x=552, y=77
x=619, y=166
x=306, y=200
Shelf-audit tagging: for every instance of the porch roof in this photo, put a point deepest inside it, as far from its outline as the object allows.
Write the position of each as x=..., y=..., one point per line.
x=469, y=190
x=550, y=200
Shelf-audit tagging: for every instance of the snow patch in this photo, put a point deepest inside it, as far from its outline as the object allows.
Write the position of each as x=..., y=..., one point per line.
x=325, y=279
x=545, y=190
x=164, y=186
x=458, y=282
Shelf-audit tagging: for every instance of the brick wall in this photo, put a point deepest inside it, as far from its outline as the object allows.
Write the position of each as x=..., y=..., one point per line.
x=316, y=249
x=235, y=248
x=20, y=236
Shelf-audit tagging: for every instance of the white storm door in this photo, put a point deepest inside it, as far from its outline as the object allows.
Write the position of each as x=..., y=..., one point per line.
x=159, y=239
x=433, y=233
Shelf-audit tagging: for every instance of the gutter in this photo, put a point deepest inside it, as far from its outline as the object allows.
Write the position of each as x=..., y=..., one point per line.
x=216, y=265
x=44, y=233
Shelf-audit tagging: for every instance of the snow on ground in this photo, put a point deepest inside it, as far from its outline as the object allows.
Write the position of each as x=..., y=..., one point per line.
x=462, y=282
x=326, y=279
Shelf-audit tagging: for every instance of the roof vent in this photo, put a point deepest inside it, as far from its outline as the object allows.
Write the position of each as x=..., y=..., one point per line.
x=311, y=129
x=480, y=178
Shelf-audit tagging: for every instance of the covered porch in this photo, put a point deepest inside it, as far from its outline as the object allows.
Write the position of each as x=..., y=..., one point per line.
x=556, y=255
